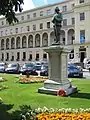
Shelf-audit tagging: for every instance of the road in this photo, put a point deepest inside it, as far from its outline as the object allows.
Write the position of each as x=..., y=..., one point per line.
x=86, y=75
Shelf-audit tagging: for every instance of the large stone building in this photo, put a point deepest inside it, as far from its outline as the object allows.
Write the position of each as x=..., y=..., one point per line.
x=26, y=40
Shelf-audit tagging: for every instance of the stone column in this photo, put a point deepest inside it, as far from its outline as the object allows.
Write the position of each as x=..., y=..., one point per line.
x=10, y=43
x=41, y=40
x=15, y=42
x=20, y=41
x=27, y=42
x=0, y=43
x=34, y=41
x=5, y=44
x=4, y=56
x=49, y=39
x=66, y=37
x=58, y=76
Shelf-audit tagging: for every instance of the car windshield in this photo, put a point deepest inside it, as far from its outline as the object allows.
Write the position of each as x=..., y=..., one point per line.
x=88, y=62
x=44, y=67
x=1, y=65
x=28, y=65
x=73, y=67
x=37, y=67
x=12, y=65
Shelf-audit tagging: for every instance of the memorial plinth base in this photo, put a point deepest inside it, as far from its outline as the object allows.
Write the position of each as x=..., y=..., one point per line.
x=51, y=87
x=58, y=77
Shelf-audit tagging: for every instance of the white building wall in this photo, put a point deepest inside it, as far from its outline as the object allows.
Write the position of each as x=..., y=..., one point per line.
x=47, y=17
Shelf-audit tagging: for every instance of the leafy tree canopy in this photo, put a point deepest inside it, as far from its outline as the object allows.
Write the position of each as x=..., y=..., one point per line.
x=8, y=9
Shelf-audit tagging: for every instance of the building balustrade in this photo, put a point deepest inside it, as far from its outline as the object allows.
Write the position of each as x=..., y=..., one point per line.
x=23, y=59
x=30, y=59
x=2, y=48
x=17, y=59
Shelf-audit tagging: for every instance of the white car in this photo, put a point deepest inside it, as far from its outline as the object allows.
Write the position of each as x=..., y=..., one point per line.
x=88, y=65
x=2, y=67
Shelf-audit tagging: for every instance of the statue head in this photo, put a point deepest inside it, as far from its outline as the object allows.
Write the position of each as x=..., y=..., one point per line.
x=57, y=10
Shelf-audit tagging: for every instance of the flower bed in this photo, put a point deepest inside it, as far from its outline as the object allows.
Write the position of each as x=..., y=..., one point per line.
x=32, y=79
x=2, y=79
x=2, y=87
x=1, y=101
x=63, y=114
x=27, y=113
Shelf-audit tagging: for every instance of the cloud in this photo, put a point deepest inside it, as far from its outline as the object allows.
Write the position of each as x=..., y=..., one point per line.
x=28, y=4
x=46, y=2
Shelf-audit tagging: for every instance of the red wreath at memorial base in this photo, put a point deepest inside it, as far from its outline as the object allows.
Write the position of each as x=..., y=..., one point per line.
x=61, y=93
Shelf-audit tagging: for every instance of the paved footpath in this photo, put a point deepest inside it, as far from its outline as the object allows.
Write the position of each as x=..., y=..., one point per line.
x=86, y=74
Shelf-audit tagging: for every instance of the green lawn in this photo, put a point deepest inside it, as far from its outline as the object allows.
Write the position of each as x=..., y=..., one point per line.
x=26, y=94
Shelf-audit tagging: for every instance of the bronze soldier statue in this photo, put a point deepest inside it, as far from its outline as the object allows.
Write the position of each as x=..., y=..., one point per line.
x=57, y=21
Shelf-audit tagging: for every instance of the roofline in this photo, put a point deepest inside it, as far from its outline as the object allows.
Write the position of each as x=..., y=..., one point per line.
x=41, y=7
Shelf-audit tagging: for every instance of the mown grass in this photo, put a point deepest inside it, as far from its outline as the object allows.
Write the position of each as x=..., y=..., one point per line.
x=26, y=94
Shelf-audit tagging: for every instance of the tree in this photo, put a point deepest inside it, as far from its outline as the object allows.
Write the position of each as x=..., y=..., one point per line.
x=8, y=8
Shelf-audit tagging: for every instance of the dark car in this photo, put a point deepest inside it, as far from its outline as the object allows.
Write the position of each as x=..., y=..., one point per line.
x=74, y=71
x=13, y=68
x=27, y=68
x=2, y=67
x=36, y=70
x=44, y=71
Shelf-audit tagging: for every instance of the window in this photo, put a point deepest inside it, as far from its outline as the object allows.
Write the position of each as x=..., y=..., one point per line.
x=24, y=56
x=18, y=56
x=81, y=1
x=82, y=36
x=22, y=18
x=73, y=5
x=2, y=22
x=34, y=27
x=7, y=56
x=6, y=22
x=21, y=29
x=28, y=17
x=2, y=57
x=41, y=25
x=48, y=12
x=73, y=21
x=71, y=55
x=44, y=56
x=48, y=24
x=12, y=58
x=65, y=22
x=30, y=57
x=64, y=41
x=5, y=32
x=64, y=8
x=34, y=14
x=10, y=31
x=28, y=28
x=37, y=57
x=16, y=30
x=1, y=33
x=41, y=13
x=82, y=16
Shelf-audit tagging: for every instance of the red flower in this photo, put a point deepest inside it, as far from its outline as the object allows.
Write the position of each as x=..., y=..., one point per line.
x=61, y=92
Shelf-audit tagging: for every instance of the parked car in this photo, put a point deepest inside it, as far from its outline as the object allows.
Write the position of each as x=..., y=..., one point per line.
x=44, y=71
x=74, y=71
x=2, y=67
x=36, y=70
x=13, y=68
x=27, y=67
x=88, y=65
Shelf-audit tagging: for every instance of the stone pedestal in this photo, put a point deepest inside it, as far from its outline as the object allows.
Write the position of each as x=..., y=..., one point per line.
x=58, y=73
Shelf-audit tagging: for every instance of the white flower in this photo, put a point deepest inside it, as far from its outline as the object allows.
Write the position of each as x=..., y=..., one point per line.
x=51, y=110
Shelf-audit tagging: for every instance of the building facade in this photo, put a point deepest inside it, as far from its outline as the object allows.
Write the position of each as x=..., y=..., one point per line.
x=25, y=41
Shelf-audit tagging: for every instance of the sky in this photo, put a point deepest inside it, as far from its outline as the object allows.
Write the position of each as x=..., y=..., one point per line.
x=30, y=4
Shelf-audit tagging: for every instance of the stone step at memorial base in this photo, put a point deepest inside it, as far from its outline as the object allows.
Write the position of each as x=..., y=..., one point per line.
x=68, y=91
